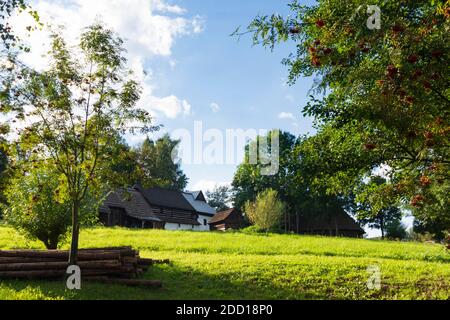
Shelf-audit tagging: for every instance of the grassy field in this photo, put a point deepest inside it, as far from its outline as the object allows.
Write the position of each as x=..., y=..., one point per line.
x=243, y=266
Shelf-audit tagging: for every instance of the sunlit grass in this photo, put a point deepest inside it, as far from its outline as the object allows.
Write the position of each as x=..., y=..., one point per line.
x=243, y=266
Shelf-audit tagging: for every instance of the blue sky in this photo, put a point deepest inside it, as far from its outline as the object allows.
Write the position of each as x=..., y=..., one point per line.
x=248, y=83
x=194, y=70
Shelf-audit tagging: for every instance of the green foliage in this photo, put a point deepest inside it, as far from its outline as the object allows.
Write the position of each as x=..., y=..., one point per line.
x=35, y=207
x=7, y=9
x=373, y=210
x=72, y=110
x=219, y=197
x=248, y=180
x=385, y=94
x=254, y=266
x=157, y=165
x=395, y=230
x=267, y=210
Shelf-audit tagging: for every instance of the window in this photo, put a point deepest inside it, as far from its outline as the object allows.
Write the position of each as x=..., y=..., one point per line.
x=205, y=222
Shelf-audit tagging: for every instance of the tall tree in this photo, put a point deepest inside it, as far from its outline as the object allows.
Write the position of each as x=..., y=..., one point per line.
x=385, y=88
x=158, y=166
x=70, y=112
x=293, y=182
x=219, y=197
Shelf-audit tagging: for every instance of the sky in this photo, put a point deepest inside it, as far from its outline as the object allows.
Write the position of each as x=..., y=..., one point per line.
x=194, y=74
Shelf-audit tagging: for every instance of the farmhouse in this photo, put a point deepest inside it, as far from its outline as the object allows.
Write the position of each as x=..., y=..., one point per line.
x=156, y=208
x=336, y=223
x=228, y=219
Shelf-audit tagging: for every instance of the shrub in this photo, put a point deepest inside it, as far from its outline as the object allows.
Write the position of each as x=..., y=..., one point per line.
x=266, y=212
x=35, y=209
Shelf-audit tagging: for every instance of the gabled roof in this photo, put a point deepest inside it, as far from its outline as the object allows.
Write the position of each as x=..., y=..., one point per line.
x=339, y=220
x=132, y=202
x=220, y=216
x=165, y=198
x=198, y=195
x=200, y=206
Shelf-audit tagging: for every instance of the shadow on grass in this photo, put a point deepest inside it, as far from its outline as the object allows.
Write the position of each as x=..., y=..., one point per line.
x=179, y=283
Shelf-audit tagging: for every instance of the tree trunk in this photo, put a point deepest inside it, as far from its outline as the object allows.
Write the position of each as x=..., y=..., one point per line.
x=382, y=228
x=73, y=255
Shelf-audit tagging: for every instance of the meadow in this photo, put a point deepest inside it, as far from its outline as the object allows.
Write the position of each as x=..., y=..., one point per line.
x=253, y=266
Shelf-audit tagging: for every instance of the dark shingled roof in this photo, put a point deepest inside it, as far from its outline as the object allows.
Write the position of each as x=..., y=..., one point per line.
x=220, y=216
x=165, y=198
x=149, y=204
x=322, y=222
x=132, y=202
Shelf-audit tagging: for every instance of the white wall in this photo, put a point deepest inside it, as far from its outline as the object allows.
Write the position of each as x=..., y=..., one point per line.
x=201, y=227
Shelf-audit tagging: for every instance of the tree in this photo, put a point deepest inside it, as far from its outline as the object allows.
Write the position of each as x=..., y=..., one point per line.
x=266, y=211
x=395, y=230
x=71, y=111
x=295, y=183
x=374, y=211
x=157, y=165
x=248, y=180
x=7, y=9
x=387, y=94
x=35, y=206
x=3, y=180
x=219, y=197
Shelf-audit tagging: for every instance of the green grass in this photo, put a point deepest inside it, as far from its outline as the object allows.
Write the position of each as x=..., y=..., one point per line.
x=243, y=266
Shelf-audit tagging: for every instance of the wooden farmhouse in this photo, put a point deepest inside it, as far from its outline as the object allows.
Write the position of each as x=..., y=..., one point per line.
x=156, y=208
x=228, y=219
x=336, y=223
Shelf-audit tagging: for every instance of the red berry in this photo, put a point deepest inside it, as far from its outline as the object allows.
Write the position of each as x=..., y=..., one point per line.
x=370, y=146
x=426, y=85
x=425, y=181
x=412, y=58
x=398, y=28
x=437, y=53
x=409, y=99
x=428, y=135
x=391, y=71
x=417, y=74
x=316, y=62
x=320, y=23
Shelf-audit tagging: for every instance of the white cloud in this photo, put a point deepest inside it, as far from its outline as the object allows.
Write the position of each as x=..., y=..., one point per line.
x=148, y=27
x=214, y=107
x=169, y=106
x=286, y=115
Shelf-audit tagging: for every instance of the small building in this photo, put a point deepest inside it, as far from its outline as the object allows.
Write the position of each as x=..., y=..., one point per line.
x=228, y=219
x=337, y=223
x=156, y=208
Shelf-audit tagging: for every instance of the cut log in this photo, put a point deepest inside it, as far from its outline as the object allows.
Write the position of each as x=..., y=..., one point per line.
x=102, y=264
x=35, y=274
x=60, y=255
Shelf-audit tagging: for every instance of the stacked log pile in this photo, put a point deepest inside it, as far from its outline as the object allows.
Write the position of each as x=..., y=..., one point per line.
x=121, y=265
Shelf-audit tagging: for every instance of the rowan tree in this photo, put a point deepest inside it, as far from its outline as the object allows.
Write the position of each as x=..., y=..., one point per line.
x=381, y=95
x=68, y=114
